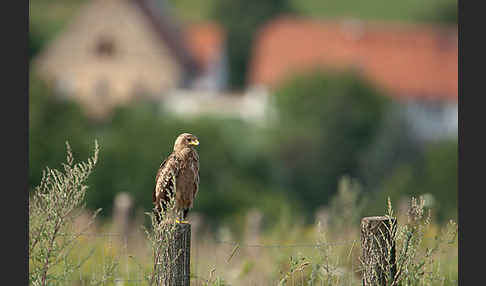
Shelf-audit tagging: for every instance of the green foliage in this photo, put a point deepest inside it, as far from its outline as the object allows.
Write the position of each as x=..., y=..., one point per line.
x=53, y=206
x=444, y=11
x=417, y=264
x=411, y=10
x=423, y=254
x=438, y=177
x=51, y=122
x=394, y=145
x=234, y=169
x=296, y=265
x=347, y=205
x=433, y=174
x=241, y=20
x=193, y=11
x=326, y=121
x=328, y=125
x=46, y=19
x=36, y=42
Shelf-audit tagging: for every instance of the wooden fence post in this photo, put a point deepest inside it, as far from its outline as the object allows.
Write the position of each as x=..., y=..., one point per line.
x=378, y=244
x=178, y=256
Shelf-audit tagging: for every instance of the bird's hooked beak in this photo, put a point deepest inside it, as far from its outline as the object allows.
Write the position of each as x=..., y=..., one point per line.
x=194, y=142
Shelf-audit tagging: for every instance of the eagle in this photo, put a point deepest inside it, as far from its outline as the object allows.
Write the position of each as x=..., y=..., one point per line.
x=178, y=173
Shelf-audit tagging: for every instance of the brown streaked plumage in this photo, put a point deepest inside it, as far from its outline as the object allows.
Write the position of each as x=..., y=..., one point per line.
x=180, y=169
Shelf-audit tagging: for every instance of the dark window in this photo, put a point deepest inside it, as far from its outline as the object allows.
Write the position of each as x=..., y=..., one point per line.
x=105, y=47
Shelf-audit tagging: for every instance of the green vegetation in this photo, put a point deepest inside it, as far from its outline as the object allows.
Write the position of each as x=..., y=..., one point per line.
x=413, y=10
x=323, y=253
x=241, y=29
x=326, y=121
x=46, y=19
x=54, y=206
x=418, y=262
x=433, y=174
x=410, y=11
x=336, y=148
x=281, y=167
x=136, y=141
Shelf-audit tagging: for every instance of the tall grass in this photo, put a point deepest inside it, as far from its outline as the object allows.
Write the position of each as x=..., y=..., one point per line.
x=290, y=253
x=53, y=208
x=418, y=260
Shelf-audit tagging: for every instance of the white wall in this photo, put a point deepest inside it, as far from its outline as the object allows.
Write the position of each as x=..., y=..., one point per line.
x=432, y=120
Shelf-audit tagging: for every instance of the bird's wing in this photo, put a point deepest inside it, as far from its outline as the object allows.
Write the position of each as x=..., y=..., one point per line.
x=165, y=179
x=157, y=177
x=196, y=175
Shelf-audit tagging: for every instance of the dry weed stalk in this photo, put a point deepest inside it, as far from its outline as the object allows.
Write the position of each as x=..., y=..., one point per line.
x=54, y=205
x=414, y=264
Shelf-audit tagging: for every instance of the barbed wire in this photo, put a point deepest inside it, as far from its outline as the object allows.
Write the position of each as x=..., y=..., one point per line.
x=235, y=244
x=287, y=245
x=110, y=234
x=241, y=244
x=107, y=234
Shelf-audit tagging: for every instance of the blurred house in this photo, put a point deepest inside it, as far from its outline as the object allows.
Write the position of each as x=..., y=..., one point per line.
x=416, y=64
x=114, y=51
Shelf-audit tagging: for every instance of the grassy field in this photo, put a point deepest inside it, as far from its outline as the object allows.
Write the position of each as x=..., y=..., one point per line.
x=69, y=246
x=286, y=251
x=305, y=255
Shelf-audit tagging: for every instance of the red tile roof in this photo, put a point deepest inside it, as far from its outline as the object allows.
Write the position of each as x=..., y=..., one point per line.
x=405, y=59
x=205, y=42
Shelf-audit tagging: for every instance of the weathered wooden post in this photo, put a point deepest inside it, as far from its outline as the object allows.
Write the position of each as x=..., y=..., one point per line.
x=176, y=259
x=378, y=244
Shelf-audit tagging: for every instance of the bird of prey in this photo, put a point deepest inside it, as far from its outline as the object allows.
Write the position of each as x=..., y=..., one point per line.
x=178, y=174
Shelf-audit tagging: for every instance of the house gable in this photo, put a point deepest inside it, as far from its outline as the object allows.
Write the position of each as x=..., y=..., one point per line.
x=108, y=52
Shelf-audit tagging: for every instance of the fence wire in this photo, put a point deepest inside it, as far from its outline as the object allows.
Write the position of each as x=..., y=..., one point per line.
x=317, y=245
x=204, y=269
x=133, y=261
x=132, y=255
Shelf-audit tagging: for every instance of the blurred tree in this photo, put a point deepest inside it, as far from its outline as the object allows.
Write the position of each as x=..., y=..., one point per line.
x=326, y=120
x=438, y=177
x=234, y=169
x=394, y=145
x=444, y=12
x=434, y=175
x=409, y=11
x=241, y=20
x=36, y=42
x=52, y=121
x=329, y=125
